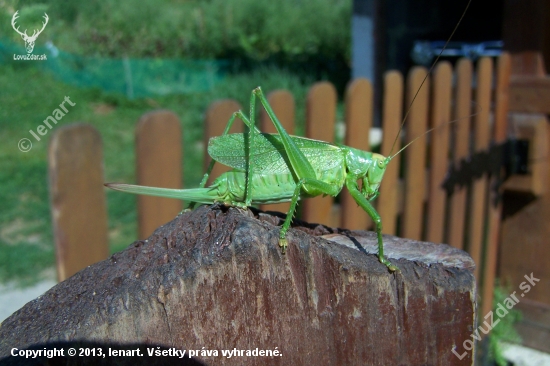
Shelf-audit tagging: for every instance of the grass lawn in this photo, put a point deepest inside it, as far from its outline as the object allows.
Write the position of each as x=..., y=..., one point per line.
x=28, y=96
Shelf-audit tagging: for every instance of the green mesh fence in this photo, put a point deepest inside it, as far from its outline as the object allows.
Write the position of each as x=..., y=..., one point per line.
x=132, y=77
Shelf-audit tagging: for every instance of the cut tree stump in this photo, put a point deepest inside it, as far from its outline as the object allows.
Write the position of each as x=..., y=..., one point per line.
x=215, y=279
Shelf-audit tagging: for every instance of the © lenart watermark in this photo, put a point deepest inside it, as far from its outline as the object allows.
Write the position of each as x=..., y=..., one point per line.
x=501, y=311
x=25, y=144
x=29, y=40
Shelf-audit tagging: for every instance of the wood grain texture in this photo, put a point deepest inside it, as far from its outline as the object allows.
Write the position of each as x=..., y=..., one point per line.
x=215, y=278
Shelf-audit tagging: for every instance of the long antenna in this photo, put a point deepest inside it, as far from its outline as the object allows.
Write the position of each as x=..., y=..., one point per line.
x=427, y=132
x=423, y=81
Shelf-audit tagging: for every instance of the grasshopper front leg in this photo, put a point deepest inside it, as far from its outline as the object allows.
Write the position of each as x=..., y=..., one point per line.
x=311, y=183
x=371, y=211
x=300, y=165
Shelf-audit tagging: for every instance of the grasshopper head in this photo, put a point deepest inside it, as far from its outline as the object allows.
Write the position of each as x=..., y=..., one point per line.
x=373, y=177
x=367, y=167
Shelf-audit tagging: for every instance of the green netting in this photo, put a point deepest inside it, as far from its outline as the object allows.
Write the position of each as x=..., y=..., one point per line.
x=132, y=77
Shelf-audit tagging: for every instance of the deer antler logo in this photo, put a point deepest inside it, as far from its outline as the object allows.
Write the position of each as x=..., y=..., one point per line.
x=29, y=41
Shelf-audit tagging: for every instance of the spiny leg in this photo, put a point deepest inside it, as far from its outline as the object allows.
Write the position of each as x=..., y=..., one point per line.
x=300, y=165
x=315, y=184
x=283, y=243
x=370, y=210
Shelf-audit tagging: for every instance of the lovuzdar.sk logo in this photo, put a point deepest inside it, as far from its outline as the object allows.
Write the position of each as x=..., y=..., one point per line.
x=29, y=40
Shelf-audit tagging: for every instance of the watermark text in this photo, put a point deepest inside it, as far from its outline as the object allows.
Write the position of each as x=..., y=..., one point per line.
x=25, y=144
x=501, y=311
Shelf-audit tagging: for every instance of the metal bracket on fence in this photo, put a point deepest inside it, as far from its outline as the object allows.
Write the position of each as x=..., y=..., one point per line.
x=512, y=155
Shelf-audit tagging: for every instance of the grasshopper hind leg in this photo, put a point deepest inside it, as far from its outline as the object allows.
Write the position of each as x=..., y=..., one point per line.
x=212, y=162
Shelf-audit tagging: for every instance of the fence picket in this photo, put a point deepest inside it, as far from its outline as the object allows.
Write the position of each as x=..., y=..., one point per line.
x=217, y=116
x=359, y=111
x=320, y=120
x=158, y=164
x=439, y=151
x=283, y=105
x=79, y=214
x=415, y=157
x=462, y=111
x=481, y=128
x=392, y=115
x=495, y=206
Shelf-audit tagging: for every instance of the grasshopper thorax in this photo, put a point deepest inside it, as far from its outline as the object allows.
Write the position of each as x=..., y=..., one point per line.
x=368, y=167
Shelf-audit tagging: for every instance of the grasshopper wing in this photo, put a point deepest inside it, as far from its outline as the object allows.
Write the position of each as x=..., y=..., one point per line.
x=268, y=153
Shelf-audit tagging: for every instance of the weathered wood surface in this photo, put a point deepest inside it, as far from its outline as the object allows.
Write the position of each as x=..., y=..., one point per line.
x=216, y=278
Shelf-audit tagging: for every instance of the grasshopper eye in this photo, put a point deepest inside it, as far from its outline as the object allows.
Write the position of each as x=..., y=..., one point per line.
x=380, y=164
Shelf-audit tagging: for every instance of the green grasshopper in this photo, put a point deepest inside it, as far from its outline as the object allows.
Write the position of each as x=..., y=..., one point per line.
x=272, y=168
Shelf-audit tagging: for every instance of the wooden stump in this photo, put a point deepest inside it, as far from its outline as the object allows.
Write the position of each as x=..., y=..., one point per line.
x=215, y=279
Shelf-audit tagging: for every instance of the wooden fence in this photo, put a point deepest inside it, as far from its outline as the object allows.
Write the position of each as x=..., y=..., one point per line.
x=412, y=203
